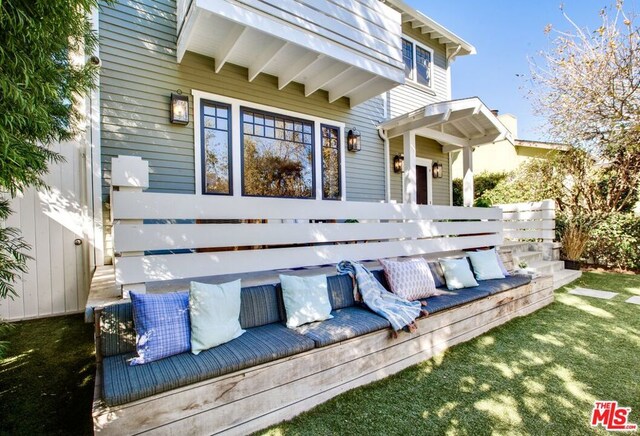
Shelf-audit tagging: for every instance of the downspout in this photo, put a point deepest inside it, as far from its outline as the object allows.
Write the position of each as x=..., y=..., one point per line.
x=387, y=175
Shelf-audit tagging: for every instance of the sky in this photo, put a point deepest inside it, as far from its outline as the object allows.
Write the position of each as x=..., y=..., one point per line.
x=507, y=34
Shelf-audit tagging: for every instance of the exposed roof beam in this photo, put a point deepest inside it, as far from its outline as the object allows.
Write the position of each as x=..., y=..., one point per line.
x=476, y=125
x=265, y=57
x=418, y=124
x=298, y=67
x=487, y=139
x=320, y=80
x=183, y=41
x=346, y=86
x=444, y=138
x=448, y=148
x=461, y=129
x=228, y=45
x=363, y=94
x=406, y=18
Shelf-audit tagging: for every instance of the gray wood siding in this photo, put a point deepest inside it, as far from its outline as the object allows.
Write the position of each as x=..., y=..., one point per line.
x=427, y=149
x=139, y=72
x=407, y=98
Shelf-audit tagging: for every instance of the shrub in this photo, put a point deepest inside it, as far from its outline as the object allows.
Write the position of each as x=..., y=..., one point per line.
x=483, y=182
x=615, y=242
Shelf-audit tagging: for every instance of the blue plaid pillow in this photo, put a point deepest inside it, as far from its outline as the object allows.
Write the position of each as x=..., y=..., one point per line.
x=162, y=325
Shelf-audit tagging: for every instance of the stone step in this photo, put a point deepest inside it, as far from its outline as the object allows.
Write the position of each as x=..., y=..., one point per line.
x=546, y=266
x=527, y=256
x=564, y=277
x=516, y=247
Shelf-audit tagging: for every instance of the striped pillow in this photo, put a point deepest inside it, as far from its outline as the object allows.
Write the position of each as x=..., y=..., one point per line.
x=162, y=325
x=409, y=279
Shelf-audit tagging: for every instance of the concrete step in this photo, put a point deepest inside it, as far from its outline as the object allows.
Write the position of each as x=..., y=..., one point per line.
x=546, y=266
x=527, y=256
x=564, y=277
x=516, y=247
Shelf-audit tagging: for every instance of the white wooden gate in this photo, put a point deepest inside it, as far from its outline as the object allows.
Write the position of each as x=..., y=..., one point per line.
x=55, y=224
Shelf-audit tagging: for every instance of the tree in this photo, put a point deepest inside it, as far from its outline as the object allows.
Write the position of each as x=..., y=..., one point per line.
x=39, y=84
x=587, y=89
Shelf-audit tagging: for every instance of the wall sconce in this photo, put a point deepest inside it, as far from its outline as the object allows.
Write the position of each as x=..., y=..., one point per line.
x=179, y=108
x=398, y=163
x=437, y=170
x=353, y=140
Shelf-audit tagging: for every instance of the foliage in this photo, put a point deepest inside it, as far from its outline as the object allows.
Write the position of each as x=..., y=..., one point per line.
x=485, y=181
x=575, y=238
x=615, y=242
x=588, y=89
x=39, y=84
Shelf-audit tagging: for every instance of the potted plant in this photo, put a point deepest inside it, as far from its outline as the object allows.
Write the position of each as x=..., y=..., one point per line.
x=574, y=241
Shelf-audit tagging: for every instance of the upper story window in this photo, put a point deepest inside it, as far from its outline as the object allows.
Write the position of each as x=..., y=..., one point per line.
x=418, y=61
x=277, y=156
x=246, y=149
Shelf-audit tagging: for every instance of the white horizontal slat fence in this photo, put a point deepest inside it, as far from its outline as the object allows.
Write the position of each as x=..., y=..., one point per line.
x=533, y=221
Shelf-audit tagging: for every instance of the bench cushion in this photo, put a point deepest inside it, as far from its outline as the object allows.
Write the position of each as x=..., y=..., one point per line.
x=454, y=298
x=123, y=383
x=495, y=286
x=346, y=323
x=340, y=291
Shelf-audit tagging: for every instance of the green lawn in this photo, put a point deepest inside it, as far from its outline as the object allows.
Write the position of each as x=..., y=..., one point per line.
x=536, y=375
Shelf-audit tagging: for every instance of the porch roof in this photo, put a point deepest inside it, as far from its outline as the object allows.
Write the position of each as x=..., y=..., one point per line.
x=455, y=124
x=349, y=50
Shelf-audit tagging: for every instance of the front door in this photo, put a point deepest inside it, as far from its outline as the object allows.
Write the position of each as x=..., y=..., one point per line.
x=422, y=185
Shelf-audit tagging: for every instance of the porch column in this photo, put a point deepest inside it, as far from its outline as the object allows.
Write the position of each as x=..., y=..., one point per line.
x=467, y=181
x=409, y=140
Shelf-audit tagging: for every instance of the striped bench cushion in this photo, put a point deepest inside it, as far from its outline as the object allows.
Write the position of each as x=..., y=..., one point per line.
x=123, y=383
x=346, y=323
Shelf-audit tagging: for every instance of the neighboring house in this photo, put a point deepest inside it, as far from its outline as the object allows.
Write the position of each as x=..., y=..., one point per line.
x=273, y=94
x=506, y=155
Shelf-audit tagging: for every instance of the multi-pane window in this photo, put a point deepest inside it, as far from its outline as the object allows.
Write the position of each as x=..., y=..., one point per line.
x=216, y=148
x=423, y=66
x=417, y=62
x=331, y=184
x=407, y=57
x=277, y=155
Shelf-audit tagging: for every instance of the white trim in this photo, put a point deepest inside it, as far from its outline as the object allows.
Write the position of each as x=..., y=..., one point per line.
x=94, y=179
x=427, y=163
x=413, y=80
x=236, y=137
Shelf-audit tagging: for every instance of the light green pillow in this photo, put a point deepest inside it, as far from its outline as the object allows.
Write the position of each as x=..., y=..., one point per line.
x=214, y=311
x=457, y=273
x=306, y=299
x=485, y=264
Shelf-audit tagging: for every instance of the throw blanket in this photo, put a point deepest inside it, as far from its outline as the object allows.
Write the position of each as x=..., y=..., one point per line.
x=398, y=311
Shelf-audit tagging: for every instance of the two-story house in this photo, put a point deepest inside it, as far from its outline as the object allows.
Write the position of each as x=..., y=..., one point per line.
x=311, y=99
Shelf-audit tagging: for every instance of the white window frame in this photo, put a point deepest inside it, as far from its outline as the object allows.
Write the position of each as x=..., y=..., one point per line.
x=236, y=134
x=413, y=80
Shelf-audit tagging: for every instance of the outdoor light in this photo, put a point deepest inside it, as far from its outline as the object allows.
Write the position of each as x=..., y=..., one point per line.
x=398, y=163
x=353, y=140
x=179, y=108
x=437, y=170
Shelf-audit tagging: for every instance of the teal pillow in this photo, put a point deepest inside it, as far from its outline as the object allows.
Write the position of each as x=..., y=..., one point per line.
x=306, y=299
x=215, y=312
x=457, y=273
x=485, y=264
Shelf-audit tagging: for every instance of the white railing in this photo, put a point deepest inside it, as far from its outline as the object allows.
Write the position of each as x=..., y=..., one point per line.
x=219, y=235
x=529, y=221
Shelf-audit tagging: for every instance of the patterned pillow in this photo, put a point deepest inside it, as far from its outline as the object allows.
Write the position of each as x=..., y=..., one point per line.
x=162, y=325
x=409, y=279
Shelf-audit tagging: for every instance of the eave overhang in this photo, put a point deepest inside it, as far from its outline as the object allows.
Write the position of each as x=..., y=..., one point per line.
x=352, y=50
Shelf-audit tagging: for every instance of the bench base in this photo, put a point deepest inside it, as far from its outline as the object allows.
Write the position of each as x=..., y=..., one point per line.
x=257, y=397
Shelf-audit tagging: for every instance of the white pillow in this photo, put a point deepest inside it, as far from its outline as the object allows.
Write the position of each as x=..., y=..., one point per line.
x=485, y=264
x=457, y=273
x=410, y=279
x=214, y=311
x=306, y=299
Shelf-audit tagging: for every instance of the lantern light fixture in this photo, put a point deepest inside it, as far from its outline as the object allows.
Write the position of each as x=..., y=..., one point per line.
x=353, y=140
x=179, y=108
x=437, y=170
x=398, y=163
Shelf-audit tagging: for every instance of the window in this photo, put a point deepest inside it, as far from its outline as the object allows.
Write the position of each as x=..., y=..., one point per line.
x=216, y=148
x=407, y=57
x=278, y=155
x=417, y=62
x=331, y=183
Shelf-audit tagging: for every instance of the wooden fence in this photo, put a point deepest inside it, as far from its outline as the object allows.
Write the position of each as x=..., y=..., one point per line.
x=533, y=221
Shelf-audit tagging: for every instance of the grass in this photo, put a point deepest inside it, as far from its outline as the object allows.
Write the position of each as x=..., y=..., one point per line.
x=535, y=375
x=47, y=377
